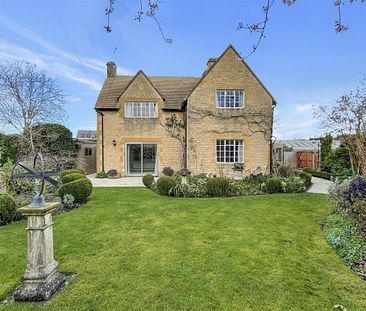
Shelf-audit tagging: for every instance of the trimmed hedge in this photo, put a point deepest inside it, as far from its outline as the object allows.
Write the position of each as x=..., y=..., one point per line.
x=306, y=177
x=217, y=187
x=165, y=184
x=148, y=180
x=80, y=189
x=8, y=208
x=317, y=173
x=71, y=177
x=72, y=171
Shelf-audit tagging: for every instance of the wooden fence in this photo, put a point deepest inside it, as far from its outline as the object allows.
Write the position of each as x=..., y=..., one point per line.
x=308, y=159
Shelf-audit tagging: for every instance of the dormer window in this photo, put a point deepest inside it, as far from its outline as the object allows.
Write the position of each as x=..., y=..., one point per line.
x=229, y=99
x=141, y=110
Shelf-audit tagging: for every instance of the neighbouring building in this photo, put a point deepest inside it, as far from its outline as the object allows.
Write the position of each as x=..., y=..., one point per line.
x=204, y=124
x=297, y=153
x=86, y=142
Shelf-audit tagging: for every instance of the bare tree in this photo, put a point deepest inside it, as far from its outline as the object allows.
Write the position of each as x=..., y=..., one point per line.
x=259, y=27
x=347, y=120
x=28, y=97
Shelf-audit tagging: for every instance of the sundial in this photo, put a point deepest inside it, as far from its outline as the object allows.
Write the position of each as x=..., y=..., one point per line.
x=35, y=171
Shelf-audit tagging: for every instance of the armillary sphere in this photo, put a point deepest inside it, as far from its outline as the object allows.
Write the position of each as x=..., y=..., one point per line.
x=35, y=169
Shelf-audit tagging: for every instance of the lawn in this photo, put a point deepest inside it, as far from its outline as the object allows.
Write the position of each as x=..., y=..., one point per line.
x=134, y=250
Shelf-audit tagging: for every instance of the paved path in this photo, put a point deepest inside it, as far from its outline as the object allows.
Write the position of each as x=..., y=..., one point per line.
x=118, y=182
x=319, y=185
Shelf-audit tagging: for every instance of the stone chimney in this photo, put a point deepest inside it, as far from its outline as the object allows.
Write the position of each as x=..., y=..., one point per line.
x=210, y=62
x=111, y=69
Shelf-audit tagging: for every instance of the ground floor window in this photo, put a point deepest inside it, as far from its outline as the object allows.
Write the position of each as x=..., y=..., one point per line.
x=141, y=158
x=88, y=152
x=229, y=151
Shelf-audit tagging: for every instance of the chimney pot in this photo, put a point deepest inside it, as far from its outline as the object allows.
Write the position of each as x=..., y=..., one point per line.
x=211, y=62
x=111, y=69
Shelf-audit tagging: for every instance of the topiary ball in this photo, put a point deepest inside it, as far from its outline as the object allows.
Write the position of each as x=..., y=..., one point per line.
x=148, y=180
x=8, y=208
x=71, y=177
x=165, y=184
x=80, y=189
x=217, y=187
x=72, y=171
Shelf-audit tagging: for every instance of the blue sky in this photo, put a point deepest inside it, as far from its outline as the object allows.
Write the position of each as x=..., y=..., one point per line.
x=302, y=61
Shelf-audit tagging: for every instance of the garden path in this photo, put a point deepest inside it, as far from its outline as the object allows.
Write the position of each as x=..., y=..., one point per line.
x=117, y=182
x=319, y=185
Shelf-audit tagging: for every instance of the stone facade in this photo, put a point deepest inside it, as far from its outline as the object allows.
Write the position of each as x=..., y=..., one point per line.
x=205, y=122
x=122, y=130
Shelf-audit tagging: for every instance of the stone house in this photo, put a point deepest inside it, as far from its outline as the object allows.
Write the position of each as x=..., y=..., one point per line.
x=205, y=124
x=86, y=143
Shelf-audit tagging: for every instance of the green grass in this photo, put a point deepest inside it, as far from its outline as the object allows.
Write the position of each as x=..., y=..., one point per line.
x=134, y=250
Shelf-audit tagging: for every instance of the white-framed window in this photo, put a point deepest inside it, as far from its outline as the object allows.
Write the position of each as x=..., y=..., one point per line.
x=229, y=99
x=229, y=151
x=141, y=110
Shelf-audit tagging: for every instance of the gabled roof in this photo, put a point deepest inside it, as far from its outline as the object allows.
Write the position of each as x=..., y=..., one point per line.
x=174, y=90
x=244, y=62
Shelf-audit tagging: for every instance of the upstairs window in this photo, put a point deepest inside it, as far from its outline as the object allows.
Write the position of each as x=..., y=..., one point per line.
x=141, y=110
x=229, y=99
x=229, y=151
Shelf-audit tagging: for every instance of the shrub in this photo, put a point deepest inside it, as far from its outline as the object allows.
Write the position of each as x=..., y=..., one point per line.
x=101, y=175
x=8, y=210
x=180, y=190
x=272, y=185
x=217, y=187
x=293, y=184
x=306, y=177
x=167, y=171
x=165, y=184
x=285, y=170
x=80, y=189
x=356, y=190
x=112, y=173
x=239, y=188
x=68, y=202
x=317, y=173
x=148, y=180
x=71, y=171
x=341, y=233
x=256, y=178
x=71, y=177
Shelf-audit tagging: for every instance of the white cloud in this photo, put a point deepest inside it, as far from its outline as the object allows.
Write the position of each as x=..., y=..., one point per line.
x=47, y=62
x=304, y=107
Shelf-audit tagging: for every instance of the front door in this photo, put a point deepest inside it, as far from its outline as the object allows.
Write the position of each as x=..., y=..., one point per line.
x=141, y=159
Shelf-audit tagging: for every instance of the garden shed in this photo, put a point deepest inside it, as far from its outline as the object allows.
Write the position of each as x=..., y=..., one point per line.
x=297, y=153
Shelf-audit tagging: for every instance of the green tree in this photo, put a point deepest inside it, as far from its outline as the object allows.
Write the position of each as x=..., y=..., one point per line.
x=8, y=152
x=325, y=149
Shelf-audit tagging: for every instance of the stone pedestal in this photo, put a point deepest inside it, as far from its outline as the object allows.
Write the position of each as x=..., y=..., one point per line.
x=40, y=279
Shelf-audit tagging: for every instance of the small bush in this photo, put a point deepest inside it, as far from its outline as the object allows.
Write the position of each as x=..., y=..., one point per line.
x=217, y=187
x=240, y=188
x=306, y=177
x=180, y=190
x=167, y=171
x=148, y=180
x=101, y=175
x=71, y=177
x=273, y=185
x=80, y=189
x=8, y=210
x=285, y=170
x=68, y=202
x=165, y=184
x=72, y=171
x=256, y=178
x=317, y=173
x=356, y=190
x=112, y=173
x=293, y=185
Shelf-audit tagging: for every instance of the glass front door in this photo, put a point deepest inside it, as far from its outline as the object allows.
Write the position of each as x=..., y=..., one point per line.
x=141, y=158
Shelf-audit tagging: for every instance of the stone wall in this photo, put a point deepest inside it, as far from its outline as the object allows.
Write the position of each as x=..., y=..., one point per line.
x=207, y=123
x=122, y=130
